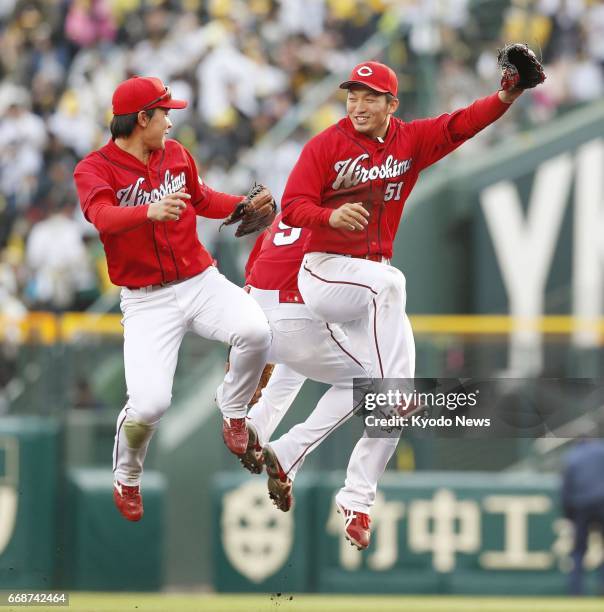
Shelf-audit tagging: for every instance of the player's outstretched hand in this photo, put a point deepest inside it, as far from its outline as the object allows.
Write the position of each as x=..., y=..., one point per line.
x=169, y=208
x=350, y=216
x=520, y=68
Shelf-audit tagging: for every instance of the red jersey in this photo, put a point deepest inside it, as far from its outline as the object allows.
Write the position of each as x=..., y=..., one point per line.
x=341, y=165
x=115, y=190
x=276, y=257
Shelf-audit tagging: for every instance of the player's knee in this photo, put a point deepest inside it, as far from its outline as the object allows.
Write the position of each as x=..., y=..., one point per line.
x=256, y=336
x=393, y=282
x=137, y=432
x=149, y=404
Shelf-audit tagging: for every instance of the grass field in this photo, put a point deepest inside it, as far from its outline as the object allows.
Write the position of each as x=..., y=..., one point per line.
x=102, y=602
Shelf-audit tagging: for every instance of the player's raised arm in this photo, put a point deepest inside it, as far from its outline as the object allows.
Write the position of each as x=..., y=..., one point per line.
x=440, y=136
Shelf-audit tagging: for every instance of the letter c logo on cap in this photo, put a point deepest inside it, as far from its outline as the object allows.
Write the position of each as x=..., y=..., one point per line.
x=364, y=71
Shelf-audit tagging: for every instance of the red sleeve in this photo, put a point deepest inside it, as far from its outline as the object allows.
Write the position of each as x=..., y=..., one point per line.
x=207, y=202
x=439, y=136
x=301, y=201
x=215, y=204
x=251, y=260
x=99, y=205
x=115, y=219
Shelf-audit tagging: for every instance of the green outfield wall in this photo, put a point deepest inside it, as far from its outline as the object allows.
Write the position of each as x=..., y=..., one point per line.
x=435, y=532
x=59, y=528
x=30, y=494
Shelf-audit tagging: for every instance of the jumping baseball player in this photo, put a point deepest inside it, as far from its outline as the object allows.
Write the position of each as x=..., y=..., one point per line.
x=142, y=192
x=349, y=187
x=310, y=347
x=304, y=347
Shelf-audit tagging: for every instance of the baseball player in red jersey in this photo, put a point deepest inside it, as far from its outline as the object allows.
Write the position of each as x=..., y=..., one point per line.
x=142, y=192
x=304, y=347
x=349, y=187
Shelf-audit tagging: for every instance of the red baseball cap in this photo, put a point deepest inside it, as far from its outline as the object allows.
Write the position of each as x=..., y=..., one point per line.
x=143, y=93
x=374, y=75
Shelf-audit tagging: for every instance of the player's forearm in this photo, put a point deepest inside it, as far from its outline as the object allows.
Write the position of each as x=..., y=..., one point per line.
x=217, y=205
x=507, y=97
x=110, y=219
x=467, y=122
x=305, y=214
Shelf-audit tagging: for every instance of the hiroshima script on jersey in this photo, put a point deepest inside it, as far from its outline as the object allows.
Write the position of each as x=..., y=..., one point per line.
x=351, y=172
x=134, y=195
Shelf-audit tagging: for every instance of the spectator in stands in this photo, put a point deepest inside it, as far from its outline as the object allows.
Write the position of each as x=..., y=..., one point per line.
x=23, y=137
x=60, y=271
x=583, y=502
x=89, y=22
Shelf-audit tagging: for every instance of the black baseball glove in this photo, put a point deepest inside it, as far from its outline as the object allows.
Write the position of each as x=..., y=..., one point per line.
x=520, y=67
x=256, y=211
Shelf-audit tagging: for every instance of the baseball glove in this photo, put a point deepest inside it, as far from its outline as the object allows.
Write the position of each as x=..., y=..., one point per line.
x=520, y=67
x=264, y=378
x=256, y=211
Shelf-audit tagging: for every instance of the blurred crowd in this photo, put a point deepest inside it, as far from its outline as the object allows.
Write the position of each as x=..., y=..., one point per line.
x=244, y=66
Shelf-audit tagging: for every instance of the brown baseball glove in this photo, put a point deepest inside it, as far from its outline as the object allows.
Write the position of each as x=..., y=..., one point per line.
x=264, y=378
x=520, y=67
x=255, y=212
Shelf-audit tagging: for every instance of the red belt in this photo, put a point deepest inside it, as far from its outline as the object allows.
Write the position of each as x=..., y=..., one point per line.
x=370, y=257
x=160, y=285
x=290, y=296
x=286, y=296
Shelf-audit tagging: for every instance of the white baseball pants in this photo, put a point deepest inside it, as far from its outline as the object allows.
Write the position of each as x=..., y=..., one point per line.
x=155, y=322
x=368, y=299
x=307, y=348
x=276, y=399
x=340, y=289
x=310, y=349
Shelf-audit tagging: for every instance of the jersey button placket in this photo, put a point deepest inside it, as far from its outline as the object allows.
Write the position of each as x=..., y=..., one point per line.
x=376, y=205
x=161, y=248
x=377, y=246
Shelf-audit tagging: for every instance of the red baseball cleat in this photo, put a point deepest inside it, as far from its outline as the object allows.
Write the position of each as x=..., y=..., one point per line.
x=356, y=528
x=279, y=485
x=235, y=434
x=252, y=459
x=128, y=501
